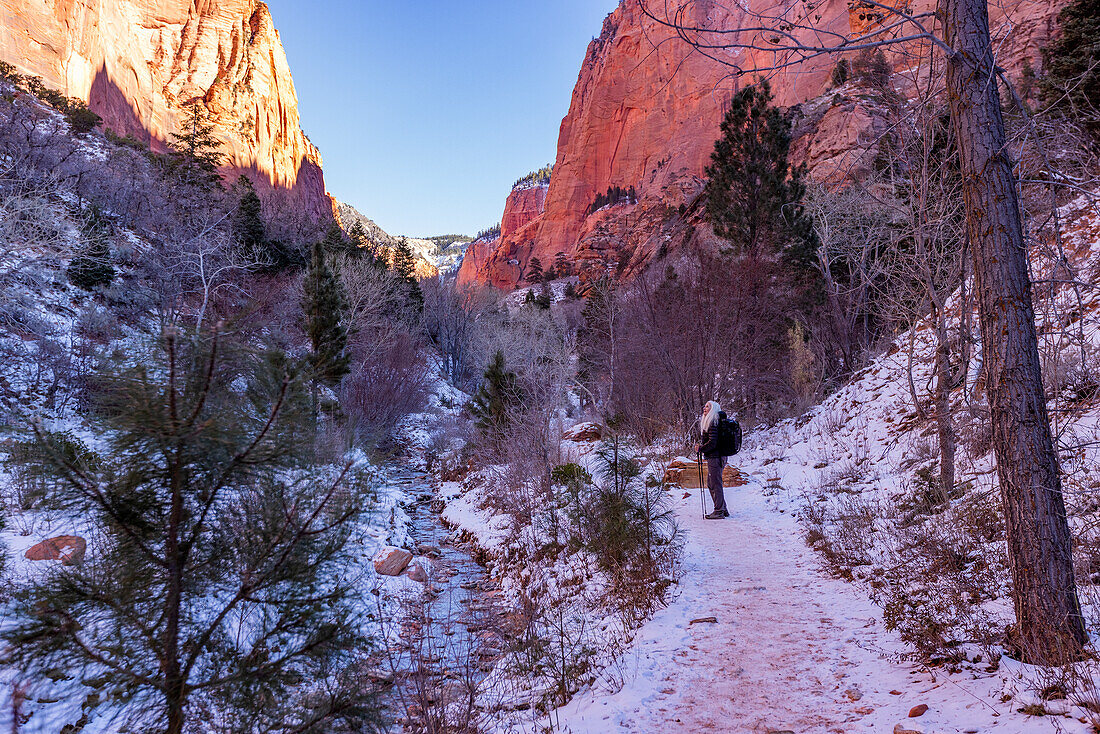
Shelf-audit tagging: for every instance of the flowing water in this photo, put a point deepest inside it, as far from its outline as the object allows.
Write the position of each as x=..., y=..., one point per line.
x=452, y=634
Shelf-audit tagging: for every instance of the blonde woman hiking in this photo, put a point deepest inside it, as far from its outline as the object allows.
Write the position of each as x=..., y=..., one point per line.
x=716, y=462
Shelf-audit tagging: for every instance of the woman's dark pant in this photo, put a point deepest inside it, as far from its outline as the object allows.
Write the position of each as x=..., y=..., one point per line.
x=715, y=465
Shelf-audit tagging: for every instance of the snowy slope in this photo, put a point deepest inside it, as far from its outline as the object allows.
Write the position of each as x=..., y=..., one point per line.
x=794, y=648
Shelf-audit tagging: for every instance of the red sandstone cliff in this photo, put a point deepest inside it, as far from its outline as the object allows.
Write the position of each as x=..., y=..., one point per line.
x=139, y=62
x=522, y=211
x=645, y=113
x=525, y=204
x=472, y=269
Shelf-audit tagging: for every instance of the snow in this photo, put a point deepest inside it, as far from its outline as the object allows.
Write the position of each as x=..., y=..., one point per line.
x=796, y=649
x=464, y=511
x=792, y=649
x=515, y=299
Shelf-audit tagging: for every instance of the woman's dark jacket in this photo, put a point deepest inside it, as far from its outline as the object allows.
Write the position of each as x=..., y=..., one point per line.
x=709, y=447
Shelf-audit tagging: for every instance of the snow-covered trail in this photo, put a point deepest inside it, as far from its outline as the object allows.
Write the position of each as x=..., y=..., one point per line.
x=792, y=651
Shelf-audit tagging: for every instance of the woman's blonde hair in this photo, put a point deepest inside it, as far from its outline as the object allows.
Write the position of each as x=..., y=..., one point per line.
x=707, y=420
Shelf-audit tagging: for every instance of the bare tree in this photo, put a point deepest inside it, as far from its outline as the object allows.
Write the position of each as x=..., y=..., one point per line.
x=378, y=310
x=932, y=208
x=454, y=317
x=34, y=228
x=854, y=233
x=599, y=340
x=701, y=329
x=203, y=265
x=1048, y=612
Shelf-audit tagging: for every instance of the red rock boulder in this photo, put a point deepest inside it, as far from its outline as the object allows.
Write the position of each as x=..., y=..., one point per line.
x=69, y=549
x=391, y=561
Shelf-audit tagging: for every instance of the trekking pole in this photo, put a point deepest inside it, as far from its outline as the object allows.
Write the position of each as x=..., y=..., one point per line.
x=702, y=498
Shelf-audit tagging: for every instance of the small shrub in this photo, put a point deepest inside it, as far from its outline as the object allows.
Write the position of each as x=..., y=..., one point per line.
x=98, y=325
x=840, y=73
x=92, y=268
x=125, y=141
x=81, y=119
x=575, y=480
x=872, y=68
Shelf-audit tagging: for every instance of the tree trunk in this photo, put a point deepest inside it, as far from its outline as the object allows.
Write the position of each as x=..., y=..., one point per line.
x=1044, y=592
x=173, y=673
x=945, y=428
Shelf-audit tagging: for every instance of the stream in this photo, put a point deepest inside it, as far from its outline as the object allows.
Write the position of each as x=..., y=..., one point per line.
x=452, y=635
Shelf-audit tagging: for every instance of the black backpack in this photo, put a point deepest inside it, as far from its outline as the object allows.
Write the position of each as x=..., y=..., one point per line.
x=729, y=435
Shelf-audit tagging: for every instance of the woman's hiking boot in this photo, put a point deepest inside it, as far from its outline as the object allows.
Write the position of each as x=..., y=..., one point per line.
x=716, y=515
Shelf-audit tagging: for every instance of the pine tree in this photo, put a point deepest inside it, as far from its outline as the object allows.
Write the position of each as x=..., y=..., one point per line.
x=91, y=268
x=205, y=513
x=358, y=235
x=197, y=149
x=494, y=400
x=534, y=270
x=335, y=241
x=545, y=298
x=753, y=195
x=404, y=265
x=562, y=265
x=325, y=305
x=248, y=224
x=1073, y=62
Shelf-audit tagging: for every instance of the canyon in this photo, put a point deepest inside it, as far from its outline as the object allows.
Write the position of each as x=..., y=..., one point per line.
x=382, y=241
x=140, y=63
x=646, y=110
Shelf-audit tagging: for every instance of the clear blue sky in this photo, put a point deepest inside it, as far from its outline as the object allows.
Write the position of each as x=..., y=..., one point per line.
x=427, y=111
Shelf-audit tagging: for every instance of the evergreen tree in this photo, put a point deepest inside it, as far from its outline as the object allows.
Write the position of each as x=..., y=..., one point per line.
x=248, y=224
x=545, y=298
x=252, y=242
x=562, y=265
x=360, y=245
x=91, y=268
x=494, y=400
x=404, y=265
x=197, y=149
x=205, y=513
x=335, y=241
x=753, y=195
x=404, y=261
x=534, y=270
x=325, y=305
x=358, y=235
x=1073, y=62
x=81, y=119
